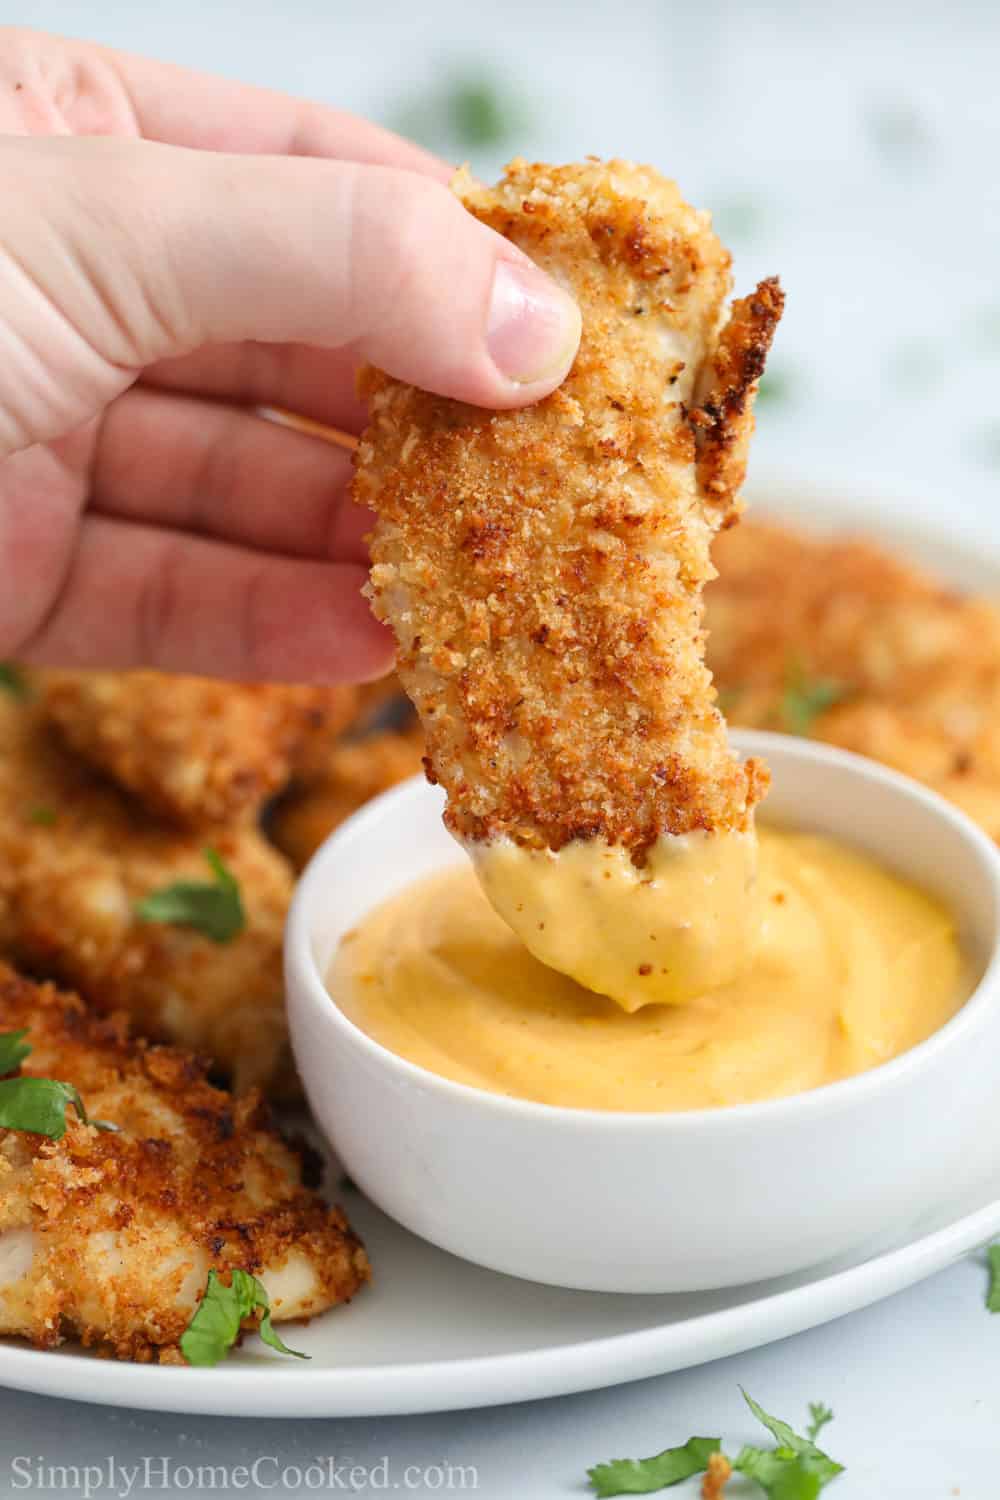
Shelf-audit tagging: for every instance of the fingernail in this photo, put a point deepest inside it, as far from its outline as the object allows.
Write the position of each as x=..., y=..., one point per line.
x=534, y=326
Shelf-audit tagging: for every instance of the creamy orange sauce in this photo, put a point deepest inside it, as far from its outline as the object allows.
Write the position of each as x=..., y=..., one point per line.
x=850, y=967
x=683, y=922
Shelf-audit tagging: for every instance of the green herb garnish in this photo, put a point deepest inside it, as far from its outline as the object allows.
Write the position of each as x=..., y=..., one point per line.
x=775, y=388
x=819, y=1416
x=13, y=1050
x=42, y=816
x=796, y=1469
x=805, y=699
x=37, y=1105
x=219, y=1316
x=641, y=1476
x=472, y=110
x=213, y=908
x=993, y=1291
x=793, y=1470
x=13, y=681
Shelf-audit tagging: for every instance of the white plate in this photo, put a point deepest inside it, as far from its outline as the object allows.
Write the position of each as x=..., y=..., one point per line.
x=434, y=1333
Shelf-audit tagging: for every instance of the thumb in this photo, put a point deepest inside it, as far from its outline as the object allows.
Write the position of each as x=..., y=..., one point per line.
x=152, y=251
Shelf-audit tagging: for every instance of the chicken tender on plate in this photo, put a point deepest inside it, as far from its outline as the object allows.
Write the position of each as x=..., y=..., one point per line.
x=194, y=750
x=109, y=1237
x=835, y=638
x=355, y=771
x=76, y=859
x=543, y=569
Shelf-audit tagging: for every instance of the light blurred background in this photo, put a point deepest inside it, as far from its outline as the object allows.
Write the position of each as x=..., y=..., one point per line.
x=854, y=148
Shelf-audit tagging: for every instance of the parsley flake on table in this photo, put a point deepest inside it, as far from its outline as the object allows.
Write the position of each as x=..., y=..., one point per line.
x=212, y=907
x=993, y=1290
x=641, y=1476
x=36, y=1105
x=793, y=1470
x=217, y=1320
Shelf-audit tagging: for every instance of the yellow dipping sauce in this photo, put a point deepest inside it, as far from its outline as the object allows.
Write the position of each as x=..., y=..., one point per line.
x=851, y=967
x=684, y=922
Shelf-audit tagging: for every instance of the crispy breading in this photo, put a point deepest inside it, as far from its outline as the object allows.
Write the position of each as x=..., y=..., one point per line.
x=542, y=569
x=913, y=667
x=109, y=1237
x=76, y=856
x=194, y=750
x=378, y=705
x=717, y=1476
x=355, y=771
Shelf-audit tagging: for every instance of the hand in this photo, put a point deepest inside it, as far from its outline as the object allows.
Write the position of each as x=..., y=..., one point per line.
x=175, y=249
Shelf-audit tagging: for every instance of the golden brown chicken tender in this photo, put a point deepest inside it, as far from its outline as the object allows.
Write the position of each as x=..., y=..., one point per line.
x=355, y=771
x=835, y=638
x=193, y=750
x=76, y=856
x=542, y=569
x=110, y=1237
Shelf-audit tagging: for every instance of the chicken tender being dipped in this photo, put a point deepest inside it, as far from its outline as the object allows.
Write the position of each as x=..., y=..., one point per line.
x=543, y=570
x=110, y=1236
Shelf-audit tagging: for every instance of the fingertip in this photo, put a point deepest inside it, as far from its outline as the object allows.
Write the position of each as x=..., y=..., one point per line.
x=533, y=330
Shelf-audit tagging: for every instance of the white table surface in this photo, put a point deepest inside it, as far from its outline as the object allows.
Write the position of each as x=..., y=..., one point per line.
x=892, y=343
x=914, y=1382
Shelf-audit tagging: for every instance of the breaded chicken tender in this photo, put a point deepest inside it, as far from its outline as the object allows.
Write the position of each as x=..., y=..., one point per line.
x=355, y=771
x=193, y=750
x=109, y=1237
x=543, y=569
x=834, y=637
x=76, y=856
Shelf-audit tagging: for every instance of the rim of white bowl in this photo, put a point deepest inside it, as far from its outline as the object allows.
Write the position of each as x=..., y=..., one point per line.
x=840, y=1094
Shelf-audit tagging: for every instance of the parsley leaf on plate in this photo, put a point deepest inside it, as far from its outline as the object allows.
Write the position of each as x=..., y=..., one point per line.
x=13, y=1050
x=37, y=1105
x=212, y=907
x=993, y=1293
x=219, y=1316
x=641, y=1476
x=805, y=699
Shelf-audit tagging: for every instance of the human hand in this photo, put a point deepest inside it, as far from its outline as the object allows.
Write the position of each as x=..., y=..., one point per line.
x=174, y=250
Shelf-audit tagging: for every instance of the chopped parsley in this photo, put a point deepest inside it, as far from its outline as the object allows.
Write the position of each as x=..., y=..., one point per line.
x=819, y=1416
x=795, y=1469
x=13, y=1050
x=775, y=388
x=805, y=699
x=472, y=110
x=42, y=816
x=13, y=681
x=993, y=1290
x=36, y=1105
x=217, y=1320
x=212, y=907
x=641, y=1476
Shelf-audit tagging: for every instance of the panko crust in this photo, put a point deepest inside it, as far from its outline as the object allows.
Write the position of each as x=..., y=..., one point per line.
x=193, y=750
x=125, y=1225
x=913, y=666
x=542, y=569
x=354, y=772
x=76, y=856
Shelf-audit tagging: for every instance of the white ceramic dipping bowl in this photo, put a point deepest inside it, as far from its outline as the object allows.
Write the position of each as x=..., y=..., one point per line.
x=644, y=1202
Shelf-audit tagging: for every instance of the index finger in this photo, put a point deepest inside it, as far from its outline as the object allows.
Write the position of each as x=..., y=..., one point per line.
x=101, y=91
